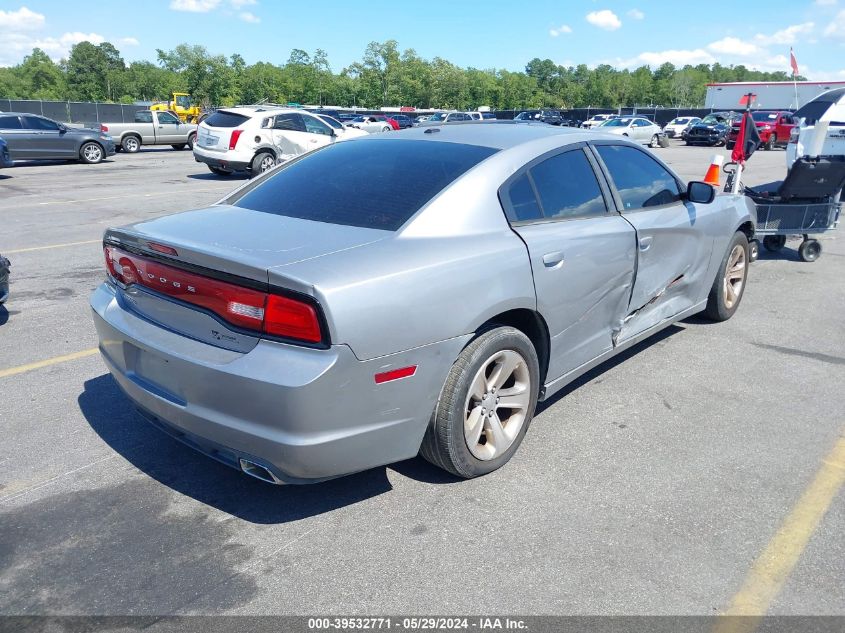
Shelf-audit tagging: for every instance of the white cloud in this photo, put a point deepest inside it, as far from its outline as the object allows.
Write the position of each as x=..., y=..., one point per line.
x=604, y=19
x=21, y=20
x=824, y=3
x=246, y=16
x=678, y=57
x=129, y=41
x=561, y=30
x=194, y=6
x=734, y=46
x=836, y=28
x=239, y=4
x=636, y=14
x=789, y=35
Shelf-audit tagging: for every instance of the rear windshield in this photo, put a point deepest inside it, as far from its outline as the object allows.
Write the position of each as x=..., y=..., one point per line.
x=225, y=119
x=363, y=182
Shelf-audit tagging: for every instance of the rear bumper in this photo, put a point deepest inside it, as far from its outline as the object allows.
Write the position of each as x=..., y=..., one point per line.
x=303, y=414
x=220, y=161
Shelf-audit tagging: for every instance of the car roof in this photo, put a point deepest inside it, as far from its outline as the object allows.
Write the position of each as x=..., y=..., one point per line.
x=253, y=111
x=494, y=134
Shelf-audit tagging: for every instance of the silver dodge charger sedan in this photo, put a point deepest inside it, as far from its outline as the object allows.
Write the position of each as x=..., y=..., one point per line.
x=334, y=315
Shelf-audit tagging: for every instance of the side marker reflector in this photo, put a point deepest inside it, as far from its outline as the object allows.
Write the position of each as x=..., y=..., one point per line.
x=395, y=374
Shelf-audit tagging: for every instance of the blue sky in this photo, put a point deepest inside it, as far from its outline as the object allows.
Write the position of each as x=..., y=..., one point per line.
x=483, y=34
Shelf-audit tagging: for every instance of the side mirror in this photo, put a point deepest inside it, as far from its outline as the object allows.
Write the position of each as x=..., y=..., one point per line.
x=62, y=128
x=700, y=192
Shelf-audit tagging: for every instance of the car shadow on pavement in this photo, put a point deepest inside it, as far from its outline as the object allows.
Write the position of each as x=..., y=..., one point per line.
x=192, y=474
x=4, y=315
x=233, y=177
x=609, y=364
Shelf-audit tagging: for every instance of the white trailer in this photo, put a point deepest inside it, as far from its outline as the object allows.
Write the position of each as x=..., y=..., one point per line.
x=774, y=95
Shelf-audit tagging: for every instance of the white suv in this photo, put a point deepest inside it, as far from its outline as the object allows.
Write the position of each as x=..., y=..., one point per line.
x=257, y=139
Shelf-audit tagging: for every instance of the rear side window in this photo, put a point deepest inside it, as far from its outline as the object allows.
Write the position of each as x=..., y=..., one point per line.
x=291, y=122
x=10, y=123
x=225, y=119
x=566, y=186
x=362, y=183
x=143, y=117
x=641, y=180
x=37, y=123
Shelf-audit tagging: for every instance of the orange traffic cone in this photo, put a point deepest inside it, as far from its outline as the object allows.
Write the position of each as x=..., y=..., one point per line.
x=712, y=175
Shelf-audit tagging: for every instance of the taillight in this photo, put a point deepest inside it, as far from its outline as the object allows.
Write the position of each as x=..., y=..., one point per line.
x=104, y=128
x=793, y=135
x=233, y=140
x=247, y=308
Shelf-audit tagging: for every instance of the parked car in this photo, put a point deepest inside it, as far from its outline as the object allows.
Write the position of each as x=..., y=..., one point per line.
x=403, y=120
x=676, y=127
x=712, y=129
x=5, y=157
x=256, y=139
x=371, y=123
x=308, y=327
x=345, y=117
x=773, y=126
x=636, y=128
x=438, y=118
x=33, y=137
x=420, y=119
x=823, y=116
x=597, y=119
x=527, y=116
x=344, y=132
x=5, y=266
x=152, y=128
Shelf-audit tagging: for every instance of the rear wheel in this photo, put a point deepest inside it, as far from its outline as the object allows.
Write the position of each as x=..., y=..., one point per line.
x=770, y=144
x=263, y=161
x=486, y=405
x=131, y=144
x=655, y=141
x=191, y=140
x=218, y=171
x=773, y=243
x=729, y=285
x=91, y=153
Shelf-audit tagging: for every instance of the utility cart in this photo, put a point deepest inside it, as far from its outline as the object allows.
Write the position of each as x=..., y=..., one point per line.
x=806, y=203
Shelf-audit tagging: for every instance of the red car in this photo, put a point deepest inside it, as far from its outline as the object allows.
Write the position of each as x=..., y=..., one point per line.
x=774, y=127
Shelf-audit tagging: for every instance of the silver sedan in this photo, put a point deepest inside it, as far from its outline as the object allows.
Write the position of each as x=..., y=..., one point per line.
x=334, y=315
x=636, y=128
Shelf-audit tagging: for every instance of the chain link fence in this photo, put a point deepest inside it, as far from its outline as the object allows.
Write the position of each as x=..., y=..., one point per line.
x=74, y=111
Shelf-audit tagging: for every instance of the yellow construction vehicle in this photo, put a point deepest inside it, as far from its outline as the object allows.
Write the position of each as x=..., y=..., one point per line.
x=182, y=106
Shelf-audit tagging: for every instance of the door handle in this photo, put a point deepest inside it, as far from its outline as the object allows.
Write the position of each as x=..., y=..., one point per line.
x=313, y=140
x=553, y=260
x=645, y=243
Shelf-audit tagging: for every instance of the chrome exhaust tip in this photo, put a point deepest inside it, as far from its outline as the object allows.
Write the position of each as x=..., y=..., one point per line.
x=259, y=472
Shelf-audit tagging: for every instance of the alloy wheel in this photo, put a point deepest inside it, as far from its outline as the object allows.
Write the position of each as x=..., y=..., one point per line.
x=93, y=153
x=734, y=276
x=496, y=405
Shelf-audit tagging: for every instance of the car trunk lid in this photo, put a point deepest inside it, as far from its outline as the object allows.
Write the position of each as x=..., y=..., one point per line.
x=214, y=253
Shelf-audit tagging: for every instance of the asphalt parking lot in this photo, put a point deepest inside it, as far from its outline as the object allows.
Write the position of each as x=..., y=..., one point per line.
x=651, y=486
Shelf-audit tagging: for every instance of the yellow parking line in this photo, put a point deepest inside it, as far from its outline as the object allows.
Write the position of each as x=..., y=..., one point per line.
x=42, y=248
x=13, y=371
x=772, y=568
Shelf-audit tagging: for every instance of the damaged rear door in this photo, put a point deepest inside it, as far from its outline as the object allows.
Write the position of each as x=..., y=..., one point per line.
x=673, y=251
x=582, y=253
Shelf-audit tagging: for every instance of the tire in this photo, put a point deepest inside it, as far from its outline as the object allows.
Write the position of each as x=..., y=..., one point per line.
x=729, y=145
x=178, y=146
x=770, y=144
x=729, y=285
x=91, y=153
x=192, y=139
x=655, y=141
x=386, y=129
x=753, y=250
x=130, y=144
x=218, y=171
x=446, y=443
x=810, y=250
x=774, y=243
x=263, y=161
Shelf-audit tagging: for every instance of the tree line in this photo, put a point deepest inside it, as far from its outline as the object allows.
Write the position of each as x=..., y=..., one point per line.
x=384, y=76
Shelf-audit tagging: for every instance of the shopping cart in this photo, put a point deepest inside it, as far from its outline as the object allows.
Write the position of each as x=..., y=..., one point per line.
x=806, y=203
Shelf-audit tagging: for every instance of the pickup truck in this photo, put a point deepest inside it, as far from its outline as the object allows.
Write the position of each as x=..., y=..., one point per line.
x=152, y=128
x=773, y=126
